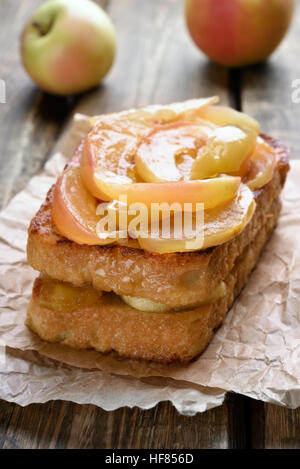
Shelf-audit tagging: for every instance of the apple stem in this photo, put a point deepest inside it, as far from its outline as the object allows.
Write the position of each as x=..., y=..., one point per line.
x=40, y=29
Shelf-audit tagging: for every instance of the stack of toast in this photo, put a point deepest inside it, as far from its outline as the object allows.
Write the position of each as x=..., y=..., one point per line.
x=79, y=297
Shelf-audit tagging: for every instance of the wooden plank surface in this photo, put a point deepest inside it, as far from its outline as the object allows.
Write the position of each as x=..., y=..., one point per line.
x=156, y=62
x=267, y=90
x=266, y=94
x=30, y=121
x=281, y=427
x=60, y=424
x=67, y=425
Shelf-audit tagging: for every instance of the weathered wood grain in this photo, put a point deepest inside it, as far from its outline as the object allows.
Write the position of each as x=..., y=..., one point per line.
x=30, y=120
x=282, y=427
x=267, y=91
x=156, y=62
x=267, y=96
x=61, y=424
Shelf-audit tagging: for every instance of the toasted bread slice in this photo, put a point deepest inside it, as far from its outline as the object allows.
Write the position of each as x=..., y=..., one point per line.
x=173, y=279
x=102, y=321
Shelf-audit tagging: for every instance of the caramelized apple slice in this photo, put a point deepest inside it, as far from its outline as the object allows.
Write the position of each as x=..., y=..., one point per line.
x=74, y=209
x=165, y=246
x=108, y=155
x=220, y=225
x=110, y=147
x=165, y=152
x=225, y=152
x=261, y=165
x=186, y=110
x=107, y=169
x=128, y=243
x=224, y=224
x=223, y=115
x=144, y=304
x=210, y=192
x=161, y=114
x=63, y=297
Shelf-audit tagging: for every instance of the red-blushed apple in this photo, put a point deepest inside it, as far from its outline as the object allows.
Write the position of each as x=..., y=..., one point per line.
x=68, y=46
x=238, y=32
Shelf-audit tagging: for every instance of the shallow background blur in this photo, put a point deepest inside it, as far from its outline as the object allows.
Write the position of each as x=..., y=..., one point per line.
x=156, y=62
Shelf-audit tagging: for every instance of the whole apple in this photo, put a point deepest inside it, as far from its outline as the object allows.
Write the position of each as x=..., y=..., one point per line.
x=238, y=32
x=68, y=46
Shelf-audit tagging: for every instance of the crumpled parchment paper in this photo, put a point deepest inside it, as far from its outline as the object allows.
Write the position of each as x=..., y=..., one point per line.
x=256, y=352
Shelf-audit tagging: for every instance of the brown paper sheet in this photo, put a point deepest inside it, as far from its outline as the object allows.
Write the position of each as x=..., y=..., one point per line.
x=256, y=352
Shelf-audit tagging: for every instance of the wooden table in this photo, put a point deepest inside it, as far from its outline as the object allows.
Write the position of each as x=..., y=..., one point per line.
x=156, y=62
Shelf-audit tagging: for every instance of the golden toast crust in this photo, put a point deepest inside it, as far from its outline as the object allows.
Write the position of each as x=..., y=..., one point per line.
x=110, y=325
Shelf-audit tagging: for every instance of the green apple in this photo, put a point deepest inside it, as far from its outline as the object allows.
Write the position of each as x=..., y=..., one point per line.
x=68, y=46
